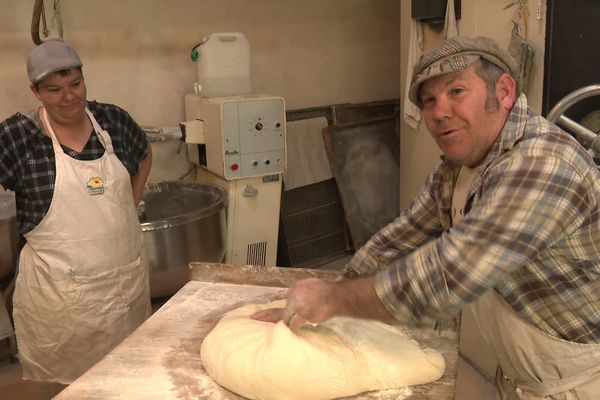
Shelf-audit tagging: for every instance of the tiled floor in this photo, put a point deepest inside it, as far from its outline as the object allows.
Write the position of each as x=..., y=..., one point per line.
x=13, y=387
x=336, y=264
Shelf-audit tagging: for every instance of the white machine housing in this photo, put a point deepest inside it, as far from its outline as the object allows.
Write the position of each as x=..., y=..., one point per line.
x=252, y=217
x=244, y=135
x=245, y=145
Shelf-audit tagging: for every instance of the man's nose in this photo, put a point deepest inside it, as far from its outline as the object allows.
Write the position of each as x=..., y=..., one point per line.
x=442, y=109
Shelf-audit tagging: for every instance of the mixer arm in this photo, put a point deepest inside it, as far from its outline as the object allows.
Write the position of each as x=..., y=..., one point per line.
x=585, y=136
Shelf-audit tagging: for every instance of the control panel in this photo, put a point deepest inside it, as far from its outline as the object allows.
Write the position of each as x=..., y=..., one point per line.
x=244, y=135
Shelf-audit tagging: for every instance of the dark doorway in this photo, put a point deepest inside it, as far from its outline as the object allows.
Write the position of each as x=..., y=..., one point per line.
x=572, y=53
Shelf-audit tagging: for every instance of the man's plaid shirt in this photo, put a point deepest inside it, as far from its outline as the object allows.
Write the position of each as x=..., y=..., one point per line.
x=532, y=232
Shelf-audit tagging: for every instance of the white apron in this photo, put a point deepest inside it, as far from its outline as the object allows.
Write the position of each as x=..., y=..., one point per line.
x=82, y=285
x=532, y=364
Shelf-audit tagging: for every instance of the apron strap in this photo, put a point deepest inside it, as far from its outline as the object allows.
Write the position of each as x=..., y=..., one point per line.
x=102, y=134
x=46, y=122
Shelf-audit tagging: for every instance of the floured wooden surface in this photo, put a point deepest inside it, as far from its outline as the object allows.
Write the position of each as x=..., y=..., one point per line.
x=161, y=359
x=255, y=275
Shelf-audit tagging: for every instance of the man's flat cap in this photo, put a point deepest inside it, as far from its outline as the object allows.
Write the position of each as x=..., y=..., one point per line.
x=458, y=53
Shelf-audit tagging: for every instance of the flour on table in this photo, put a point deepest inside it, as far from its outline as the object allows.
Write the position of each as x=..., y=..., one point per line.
x=340, y=357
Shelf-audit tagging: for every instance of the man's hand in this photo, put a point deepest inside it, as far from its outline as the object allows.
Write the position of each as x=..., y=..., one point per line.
x=314, y=301
x=270, y=315
x=309, y=301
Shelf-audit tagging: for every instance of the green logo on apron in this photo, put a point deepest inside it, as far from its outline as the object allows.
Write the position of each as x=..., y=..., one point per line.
x=95, y=185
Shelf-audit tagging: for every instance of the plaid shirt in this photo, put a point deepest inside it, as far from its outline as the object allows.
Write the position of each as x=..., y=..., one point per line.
x=27, y=164
x=531, y=231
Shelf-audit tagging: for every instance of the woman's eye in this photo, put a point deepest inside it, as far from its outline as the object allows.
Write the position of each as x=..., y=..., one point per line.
x=456, y=91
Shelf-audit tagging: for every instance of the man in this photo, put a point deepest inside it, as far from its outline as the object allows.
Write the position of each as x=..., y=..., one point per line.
x=77, y=169
x=509, y=221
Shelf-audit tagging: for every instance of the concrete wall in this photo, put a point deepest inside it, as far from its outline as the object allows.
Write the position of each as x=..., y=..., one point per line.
x=136, y=53
x=419, y=153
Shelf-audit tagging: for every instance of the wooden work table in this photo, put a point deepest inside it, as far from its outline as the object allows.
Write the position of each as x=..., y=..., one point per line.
x=161, y=359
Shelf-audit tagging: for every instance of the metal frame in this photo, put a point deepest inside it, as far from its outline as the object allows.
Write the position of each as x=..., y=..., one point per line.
x=587, y=137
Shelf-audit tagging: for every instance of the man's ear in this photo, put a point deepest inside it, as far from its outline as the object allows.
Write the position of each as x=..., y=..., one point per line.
x=506, y=91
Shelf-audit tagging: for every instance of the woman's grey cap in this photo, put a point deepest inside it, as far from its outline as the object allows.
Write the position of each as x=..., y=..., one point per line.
x=50, y=56
x=455, y=54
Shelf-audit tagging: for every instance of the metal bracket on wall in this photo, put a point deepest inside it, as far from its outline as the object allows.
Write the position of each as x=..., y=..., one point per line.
x=432, y=12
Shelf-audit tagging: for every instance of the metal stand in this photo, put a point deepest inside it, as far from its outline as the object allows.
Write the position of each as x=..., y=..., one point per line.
x=7, y=331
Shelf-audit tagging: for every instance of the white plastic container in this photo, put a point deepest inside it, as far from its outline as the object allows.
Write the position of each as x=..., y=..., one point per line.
x=224, y=65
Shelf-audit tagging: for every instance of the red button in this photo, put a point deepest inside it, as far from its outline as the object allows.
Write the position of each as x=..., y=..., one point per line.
x=234, y=167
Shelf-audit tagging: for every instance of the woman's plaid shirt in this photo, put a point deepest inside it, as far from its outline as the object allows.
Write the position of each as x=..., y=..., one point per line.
x=27, y=158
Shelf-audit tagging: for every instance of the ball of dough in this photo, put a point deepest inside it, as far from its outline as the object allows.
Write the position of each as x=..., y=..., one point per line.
x=340, y=357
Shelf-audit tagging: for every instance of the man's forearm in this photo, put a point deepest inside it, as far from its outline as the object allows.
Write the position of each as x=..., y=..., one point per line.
x=358, y=298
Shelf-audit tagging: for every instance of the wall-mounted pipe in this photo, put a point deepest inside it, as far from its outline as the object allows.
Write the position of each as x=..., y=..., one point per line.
x=38, y=13
x=35, y=21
